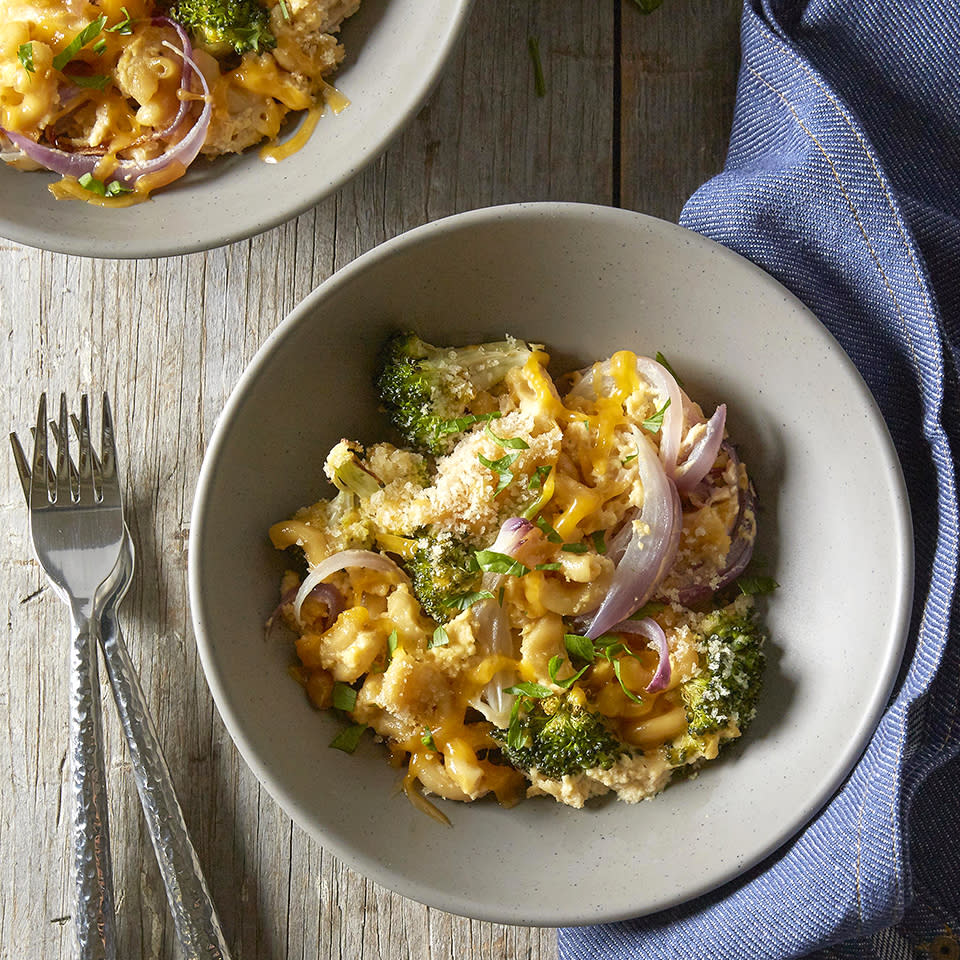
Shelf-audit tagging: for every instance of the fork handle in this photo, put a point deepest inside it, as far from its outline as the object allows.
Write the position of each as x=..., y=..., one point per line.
x=194, y=915
x=95, y=921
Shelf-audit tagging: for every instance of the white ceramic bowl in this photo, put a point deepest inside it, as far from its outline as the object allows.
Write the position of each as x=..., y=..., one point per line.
x=395, y=52
x=585, y=281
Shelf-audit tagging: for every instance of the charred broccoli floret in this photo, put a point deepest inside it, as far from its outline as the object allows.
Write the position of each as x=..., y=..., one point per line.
x=427, y=390
x=222, y=26
x=442, y=571
x=557, y=735
x=722, y=698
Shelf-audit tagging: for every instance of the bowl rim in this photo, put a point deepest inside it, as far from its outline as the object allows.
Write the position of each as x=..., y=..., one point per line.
x=844, y=761
x=134, y=245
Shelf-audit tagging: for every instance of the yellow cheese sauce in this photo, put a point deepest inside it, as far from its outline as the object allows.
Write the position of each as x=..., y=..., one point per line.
x=448, y=597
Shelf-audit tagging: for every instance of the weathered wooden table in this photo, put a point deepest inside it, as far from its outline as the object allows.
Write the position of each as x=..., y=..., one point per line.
x=636, y=113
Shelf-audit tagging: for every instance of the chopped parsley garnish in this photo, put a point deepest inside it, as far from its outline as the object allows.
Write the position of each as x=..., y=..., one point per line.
x=391, y=645
x=575, y=548
x=513, y=443
x=662, y=360
x=757, y=586
x=548, y=531
x=125, y=26
x=99, y=46
x=439, y=638
x=426, y=738
x=527, y=688
x=96, y=82
x=348, y=739
x=556, y=662
x=490, y=561
x=284, y=10
x=539, y=476
x=539, y=83
x=25, y=56
x=501, y=467
x=549, y=566
x=608, y=647
x=344, y=696
x=654, y=423
x=112, y=189
x=599, y=538
x=85, y=36
x=630, y=459
x=463, y=601
x=459, y=424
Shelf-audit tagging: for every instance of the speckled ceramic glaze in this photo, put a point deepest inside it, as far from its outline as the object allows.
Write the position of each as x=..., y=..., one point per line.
x=834, y=531
x=218, y=202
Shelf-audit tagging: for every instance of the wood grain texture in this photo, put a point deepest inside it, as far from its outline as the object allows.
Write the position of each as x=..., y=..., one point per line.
x=169, y=338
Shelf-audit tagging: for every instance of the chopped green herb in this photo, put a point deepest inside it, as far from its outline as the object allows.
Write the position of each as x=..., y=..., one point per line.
x=112, y=189
x=549, y=566
x=85, y=36
x=554, y=668
x=548, y=531
x=284, y=10
x=662, y=360
x=96, y=82
x=125, y=26
x=623, y=686
x=527, y=688
x=512, y=443
x=654, y=423
x=575, y=548
x=460, y=424
x=630, y=459
x=580, y=647
x=599, y=538
x=99, y=46
x=501, y=467
x=539, y=83
x=392, y=641
x=348, y=739
x=25, y=56
x=500, y=594
x=539, y=476
x=491, y=561
x=344, y=696
x=650, y=609
x=464, y=601
x=439, y=638
x=426, y=738
x=757, y=585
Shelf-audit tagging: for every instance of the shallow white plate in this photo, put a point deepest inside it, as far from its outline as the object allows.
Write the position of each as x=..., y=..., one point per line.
x=834, y=530
x=395, y=52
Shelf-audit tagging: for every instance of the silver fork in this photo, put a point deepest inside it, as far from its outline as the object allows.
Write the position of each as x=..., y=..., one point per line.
x=196, y=923
x=76, y=523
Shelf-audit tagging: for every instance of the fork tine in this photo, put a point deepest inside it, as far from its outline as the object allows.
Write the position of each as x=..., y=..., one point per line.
x=23, y=467
x=85, y=462
x=62, y=438
x=39, y=487
x=108, y=449
x=55, y=430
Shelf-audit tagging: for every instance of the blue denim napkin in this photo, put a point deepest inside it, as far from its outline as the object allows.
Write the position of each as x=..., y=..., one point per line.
x=843, y=182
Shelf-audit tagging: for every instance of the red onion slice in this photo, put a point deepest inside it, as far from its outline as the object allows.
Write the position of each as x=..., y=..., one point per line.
x=704, y=453
x=128, y=172
x=654, y=634
x=652, y=544
x=341, y=561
